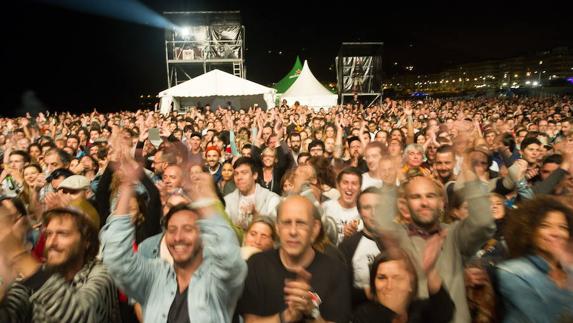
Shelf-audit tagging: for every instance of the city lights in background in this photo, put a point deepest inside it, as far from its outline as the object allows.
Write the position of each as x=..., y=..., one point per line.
x=524, y=72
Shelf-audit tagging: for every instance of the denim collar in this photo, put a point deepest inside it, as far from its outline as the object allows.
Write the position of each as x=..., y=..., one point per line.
x=539, y=262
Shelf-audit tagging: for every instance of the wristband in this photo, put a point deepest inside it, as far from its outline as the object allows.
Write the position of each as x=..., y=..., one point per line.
x=315, y=312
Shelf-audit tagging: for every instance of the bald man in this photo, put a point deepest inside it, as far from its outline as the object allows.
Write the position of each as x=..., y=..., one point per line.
x=295, y=282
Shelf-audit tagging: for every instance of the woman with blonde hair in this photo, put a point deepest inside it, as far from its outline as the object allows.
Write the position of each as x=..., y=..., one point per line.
x=260, y=236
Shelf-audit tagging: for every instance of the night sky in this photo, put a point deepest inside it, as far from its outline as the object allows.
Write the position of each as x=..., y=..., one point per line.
x=77, y=61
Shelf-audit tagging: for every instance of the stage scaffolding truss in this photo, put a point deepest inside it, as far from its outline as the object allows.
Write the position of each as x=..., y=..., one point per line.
x=359, y=71
x=205, y=40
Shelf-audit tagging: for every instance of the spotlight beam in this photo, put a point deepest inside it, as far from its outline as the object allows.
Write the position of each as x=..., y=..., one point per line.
x=126, y=10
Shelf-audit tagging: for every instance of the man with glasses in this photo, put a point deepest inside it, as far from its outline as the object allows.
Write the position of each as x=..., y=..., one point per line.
x=295, y=283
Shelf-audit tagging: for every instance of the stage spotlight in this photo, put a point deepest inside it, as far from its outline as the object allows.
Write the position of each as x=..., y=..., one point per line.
x=185, y=31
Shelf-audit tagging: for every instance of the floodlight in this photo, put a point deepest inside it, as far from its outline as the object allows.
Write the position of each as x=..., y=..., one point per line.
x=185, y=31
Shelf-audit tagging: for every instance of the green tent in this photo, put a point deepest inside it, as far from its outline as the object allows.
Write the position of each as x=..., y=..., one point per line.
x=283, y=85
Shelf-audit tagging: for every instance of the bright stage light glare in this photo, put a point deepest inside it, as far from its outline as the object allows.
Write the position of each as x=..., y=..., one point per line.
x=185, y=31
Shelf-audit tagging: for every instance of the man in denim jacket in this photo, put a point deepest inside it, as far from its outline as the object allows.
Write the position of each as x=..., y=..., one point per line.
x=207, y=274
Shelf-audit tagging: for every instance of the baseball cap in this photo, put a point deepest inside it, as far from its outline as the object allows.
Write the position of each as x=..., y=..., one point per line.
x=75, y=182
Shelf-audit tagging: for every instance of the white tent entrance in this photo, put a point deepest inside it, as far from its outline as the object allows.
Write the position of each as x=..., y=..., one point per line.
x=216, y=88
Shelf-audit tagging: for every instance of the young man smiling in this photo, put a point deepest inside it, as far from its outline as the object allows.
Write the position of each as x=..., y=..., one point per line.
x=206, y=277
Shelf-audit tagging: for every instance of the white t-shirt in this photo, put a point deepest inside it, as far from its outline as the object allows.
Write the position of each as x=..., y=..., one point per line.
x=341, y=215
x=369, y=181
x=364, y=255
x=245, y=202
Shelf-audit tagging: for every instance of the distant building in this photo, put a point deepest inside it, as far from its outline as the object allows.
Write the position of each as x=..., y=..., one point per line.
x=532, y=71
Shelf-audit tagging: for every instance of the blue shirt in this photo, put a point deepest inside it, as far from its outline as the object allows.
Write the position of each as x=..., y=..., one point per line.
x=529, y=295
x=213, y=290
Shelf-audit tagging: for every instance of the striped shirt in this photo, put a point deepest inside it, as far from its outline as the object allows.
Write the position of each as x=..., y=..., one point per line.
x=90, y=297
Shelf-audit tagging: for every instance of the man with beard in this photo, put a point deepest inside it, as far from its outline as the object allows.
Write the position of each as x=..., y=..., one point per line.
x=207, y=274
x=213, y=166
x=421, y=202
x=356, y=160
x=316, y=148
x=294, y=143
x=72, y=287
x=444, y=167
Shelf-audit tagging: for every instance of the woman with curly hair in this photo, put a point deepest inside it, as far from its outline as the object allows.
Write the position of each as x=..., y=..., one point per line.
x=536, y=283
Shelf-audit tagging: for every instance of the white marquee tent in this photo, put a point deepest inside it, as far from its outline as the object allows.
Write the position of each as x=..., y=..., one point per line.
x=307, y=90
x=216, y=88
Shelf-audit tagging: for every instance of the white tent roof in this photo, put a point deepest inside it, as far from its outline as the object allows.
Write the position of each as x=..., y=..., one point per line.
x=307, y=90
x=213, y=84
x=216, y=83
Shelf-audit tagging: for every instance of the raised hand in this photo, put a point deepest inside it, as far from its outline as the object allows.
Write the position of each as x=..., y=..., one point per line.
x=127, y=170
x=230, y=123
x=39, y=182
x=200, y=188
x=531, y=173
x=338, y=122
x=56, y=200
x=408, y=108
x=143, y=134
x=350, y=228
x=517, y=170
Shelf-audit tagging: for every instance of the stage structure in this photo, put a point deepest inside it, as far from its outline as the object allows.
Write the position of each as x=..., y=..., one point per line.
x=359, y=71
x=204, y=41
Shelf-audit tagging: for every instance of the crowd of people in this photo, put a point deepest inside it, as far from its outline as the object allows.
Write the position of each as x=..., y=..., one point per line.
x=402, y=211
